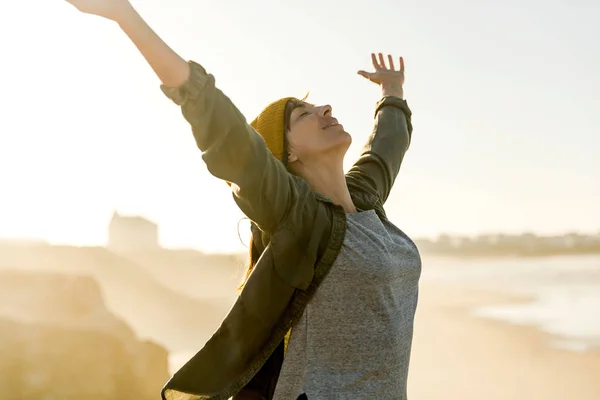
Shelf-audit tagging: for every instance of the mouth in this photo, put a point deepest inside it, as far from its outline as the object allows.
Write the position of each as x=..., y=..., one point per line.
x=333, y=123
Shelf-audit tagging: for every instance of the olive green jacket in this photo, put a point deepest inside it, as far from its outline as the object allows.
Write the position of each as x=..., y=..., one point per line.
x=299, y=233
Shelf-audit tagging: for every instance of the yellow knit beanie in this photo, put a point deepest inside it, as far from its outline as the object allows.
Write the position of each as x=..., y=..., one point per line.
x=270, y=124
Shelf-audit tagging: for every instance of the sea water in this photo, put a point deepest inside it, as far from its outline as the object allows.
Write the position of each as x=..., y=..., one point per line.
x=565, y=293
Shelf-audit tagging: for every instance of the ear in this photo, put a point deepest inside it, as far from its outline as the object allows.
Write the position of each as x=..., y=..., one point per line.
x=292, y=158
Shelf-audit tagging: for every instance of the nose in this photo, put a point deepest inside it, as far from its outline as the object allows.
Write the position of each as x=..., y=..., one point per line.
x=325, y=110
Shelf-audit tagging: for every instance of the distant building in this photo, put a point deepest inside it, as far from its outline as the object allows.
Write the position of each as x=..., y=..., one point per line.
x=132, y=233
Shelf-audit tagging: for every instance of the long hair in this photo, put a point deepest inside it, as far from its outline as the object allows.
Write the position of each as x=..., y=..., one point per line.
x=253, y=252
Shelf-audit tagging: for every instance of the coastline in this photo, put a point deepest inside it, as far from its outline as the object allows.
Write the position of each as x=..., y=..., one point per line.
x=458, y=355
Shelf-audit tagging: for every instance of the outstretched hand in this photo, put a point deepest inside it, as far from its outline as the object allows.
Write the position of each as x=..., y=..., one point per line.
x=111, y=9
x=388, y=77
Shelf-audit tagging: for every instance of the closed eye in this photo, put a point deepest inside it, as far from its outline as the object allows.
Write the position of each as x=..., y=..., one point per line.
x=301, y=115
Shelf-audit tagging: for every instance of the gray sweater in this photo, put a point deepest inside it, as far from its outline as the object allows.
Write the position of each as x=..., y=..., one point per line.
x=354, y=338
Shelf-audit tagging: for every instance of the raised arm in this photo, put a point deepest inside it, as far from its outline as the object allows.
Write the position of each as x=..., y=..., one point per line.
x=170, y=68
x=382, y=155
x=232, y=150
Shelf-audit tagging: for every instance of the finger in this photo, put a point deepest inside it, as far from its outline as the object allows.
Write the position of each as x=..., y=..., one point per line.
x=391, y=62
x=375, y=63
x=368, y=75
x=401, y=64
x=365, y=74
x=382, y=61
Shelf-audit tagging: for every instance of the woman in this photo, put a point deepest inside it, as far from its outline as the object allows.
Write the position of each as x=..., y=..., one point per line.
x=325, y=260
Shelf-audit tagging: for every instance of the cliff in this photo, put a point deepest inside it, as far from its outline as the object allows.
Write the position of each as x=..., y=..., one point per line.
x=153, y=299
x=58, y=340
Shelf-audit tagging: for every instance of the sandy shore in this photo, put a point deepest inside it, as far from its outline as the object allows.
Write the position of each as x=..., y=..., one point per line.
x=458, y=356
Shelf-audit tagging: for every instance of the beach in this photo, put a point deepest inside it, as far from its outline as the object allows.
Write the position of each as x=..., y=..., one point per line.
x=457, y=355
x=460, y=356
x=504, y=329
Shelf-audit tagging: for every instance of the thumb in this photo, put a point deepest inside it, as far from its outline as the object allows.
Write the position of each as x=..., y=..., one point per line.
x=364, y=74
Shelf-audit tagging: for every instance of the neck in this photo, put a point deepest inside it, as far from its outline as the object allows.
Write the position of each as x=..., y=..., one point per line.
x=329, y=180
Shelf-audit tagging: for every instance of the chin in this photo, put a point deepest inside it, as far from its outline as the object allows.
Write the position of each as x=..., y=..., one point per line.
x=348, y=138
x=337, y=139
x=345, y=142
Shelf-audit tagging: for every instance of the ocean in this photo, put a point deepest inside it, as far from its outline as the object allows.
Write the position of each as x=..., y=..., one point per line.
x=564, y=293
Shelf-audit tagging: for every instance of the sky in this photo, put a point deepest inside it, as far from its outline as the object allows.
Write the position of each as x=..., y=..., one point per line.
x=504, y=97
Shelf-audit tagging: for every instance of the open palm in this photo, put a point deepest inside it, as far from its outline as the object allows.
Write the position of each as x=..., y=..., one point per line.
x=385, y=74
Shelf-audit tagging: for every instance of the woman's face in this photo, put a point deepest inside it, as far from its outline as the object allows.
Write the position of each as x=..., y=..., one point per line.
x=314, y=133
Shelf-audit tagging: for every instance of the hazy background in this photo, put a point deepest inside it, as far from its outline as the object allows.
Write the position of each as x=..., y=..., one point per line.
x=504, y=96
x=504, y=159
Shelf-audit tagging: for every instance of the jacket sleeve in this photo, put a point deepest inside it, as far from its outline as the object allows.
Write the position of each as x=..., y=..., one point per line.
x=382, y=155
x=233, y=150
